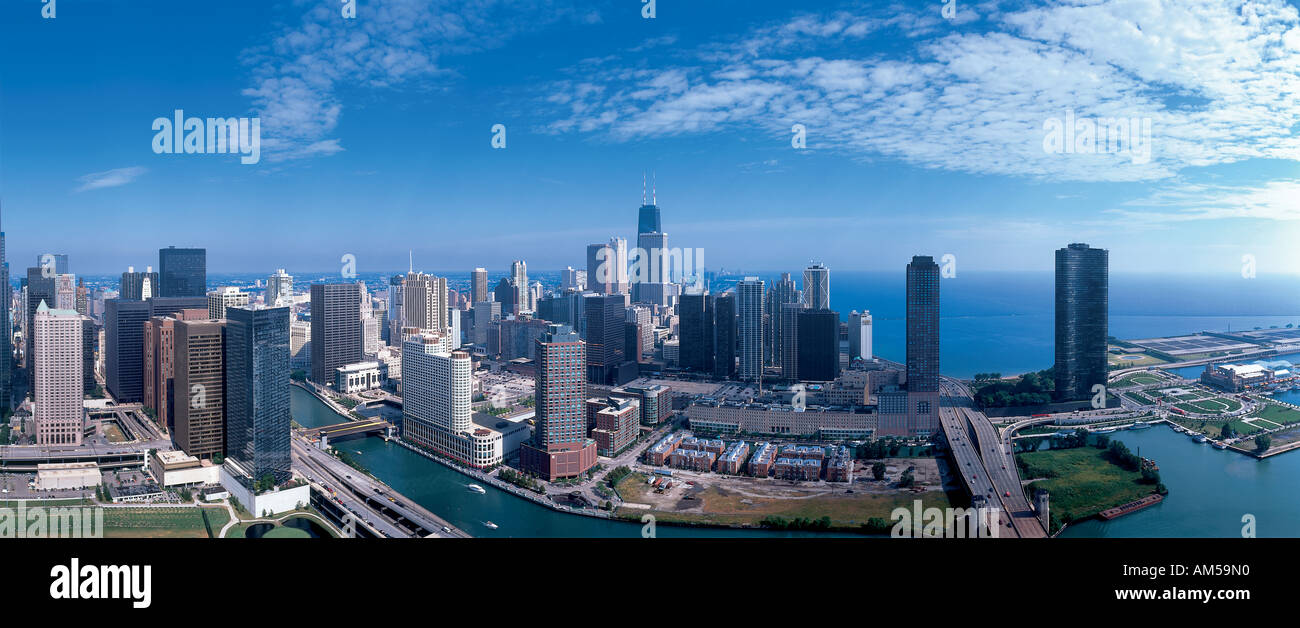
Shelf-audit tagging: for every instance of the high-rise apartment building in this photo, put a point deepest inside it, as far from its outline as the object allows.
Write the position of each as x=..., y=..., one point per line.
x=335, y=329
x=183, y=272
x=560, y=447
x=6, y=332
x=1082, y=303
x=478, y=285
x=519, y=277
x=59, y=415
x=695, y=332
x=781, y=292
x=749, y=331
x=922, y=345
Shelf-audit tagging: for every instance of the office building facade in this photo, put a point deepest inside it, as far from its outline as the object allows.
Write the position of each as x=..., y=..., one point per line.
x=1082, y=302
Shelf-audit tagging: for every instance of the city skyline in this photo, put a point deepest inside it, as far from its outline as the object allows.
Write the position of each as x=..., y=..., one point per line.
x=703, y=98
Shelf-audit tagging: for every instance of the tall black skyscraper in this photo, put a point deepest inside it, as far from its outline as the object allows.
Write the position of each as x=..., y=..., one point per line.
x=41, y=286
x=258, y=421
x=695, y=332
x=124, y=348
x=783, y=291
x=6, y=333
x=818, y=345
x=605, y=316
x=724, y=335
x=335, y=329
x=1081, y=320
x=183, y=272
x=923, y=345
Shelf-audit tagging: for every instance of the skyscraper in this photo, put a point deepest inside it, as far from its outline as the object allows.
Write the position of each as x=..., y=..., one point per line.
x=335, y=329
x=425, y=301
x=749, y=332
x=183, y=272
x=42, y=285
x=724, y=335
x=1082, y=303
x=279, y=289
x=818, y=345
x=817, y=287
x=200, y=393
x=781, y=292
x=860, y=335
x=258, y=421
x=437, y=414
x=519, y=276
x=221, y=299
x=695, y=332
x=507, y=295
x=124, y=348
x=560, y=447
x=605, y=337
x=923, y=345
x=478, y=288
x=6, y=332
x=139, y=286
x=58, y=390
x=789, y=317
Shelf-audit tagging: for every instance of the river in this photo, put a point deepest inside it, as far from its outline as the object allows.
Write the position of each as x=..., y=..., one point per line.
x=443, y=491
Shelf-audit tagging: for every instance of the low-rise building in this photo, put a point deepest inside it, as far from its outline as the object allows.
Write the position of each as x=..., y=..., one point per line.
x=829, y=422
x=67, y=475
x=613, y=423
x=797, y=469
x=693, y=459
x=357, y=377
x=660, y=452
x=839, y=467
x=733, y=460
x=760, y=466
x=176, y=468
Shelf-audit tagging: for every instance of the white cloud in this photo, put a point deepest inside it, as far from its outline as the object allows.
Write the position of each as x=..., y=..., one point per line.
x=1219, y=81
x=390, y=44
x=1277, y=200
x=109, y=178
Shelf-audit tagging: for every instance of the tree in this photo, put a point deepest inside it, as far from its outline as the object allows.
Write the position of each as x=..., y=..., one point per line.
x=1263, y=443
x=907, y=480
x=878, y=471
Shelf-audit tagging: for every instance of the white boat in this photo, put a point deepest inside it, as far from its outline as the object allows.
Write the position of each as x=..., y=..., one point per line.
x=1201, y=438
x=475, y=488
x=1220, y=446
x=491, y=525
x=358, y=452
x=1140, y=425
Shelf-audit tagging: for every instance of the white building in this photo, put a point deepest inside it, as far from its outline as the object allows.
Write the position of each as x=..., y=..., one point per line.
x=860, y=335
x=279, y=289
x=176, y=468
x=67, y=475
x=358, y=377
x=57, y=344
x=219, y=300
x=437, y=396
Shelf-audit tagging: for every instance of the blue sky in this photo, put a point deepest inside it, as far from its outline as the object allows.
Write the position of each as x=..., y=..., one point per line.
x=925, y=135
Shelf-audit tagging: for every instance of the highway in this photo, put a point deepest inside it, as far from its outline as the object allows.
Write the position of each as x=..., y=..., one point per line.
x=986, y=460
x=361, y=495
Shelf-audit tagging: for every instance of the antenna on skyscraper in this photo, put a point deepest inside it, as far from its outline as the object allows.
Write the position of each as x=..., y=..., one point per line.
x=410, y=264
x=654, y=183
x=643, y=187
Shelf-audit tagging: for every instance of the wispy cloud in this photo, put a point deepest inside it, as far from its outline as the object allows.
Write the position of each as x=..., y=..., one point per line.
x=1219, y=81
x=389, y=45
x=109, y=178
x=1277, y=200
